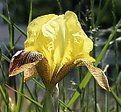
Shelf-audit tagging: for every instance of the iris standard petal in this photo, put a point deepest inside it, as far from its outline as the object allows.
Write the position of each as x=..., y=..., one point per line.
x=78, y=45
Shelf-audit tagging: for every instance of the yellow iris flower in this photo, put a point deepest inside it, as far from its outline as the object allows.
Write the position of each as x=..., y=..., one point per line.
x=55, y=44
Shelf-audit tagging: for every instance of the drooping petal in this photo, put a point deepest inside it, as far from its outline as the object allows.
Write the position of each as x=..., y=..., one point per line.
x=24, y=61
x=28, y=62
x=98, y=74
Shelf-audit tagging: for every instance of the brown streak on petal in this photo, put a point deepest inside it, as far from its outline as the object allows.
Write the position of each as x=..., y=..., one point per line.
x=62, y=72
x=43, y=70
x=16, y=62
x=98, y=74
x=65, y=69
x=25, y=61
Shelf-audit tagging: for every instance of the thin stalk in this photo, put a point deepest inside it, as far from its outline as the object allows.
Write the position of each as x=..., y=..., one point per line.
x=38, y=83
x=101, y=12
x=80, y=78
x=88, y=97
x=51, y=100
x=5, y=98
x=3, y=95
x=116, y=55
x=92, y=14
x=35, y=92
x=5, y=58
x=94, y=51
x=11, y=43
x=28, y=98
x=36, y=95
x=106, y=101
x=116, y=70
x=3, y=72
x=29, y=91
x=95, y=83
x=95, y=96
x=19, y=97
x=30, y=12
x=14, y=25
x=63, y=92
x=117, y=99
x=60, y=7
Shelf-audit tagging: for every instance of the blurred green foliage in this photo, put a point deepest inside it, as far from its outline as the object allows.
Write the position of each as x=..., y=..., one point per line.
x=19, y=9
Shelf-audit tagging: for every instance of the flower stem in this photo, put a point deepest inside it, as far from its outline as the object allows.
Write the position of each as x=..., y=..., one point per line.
x=51, y=100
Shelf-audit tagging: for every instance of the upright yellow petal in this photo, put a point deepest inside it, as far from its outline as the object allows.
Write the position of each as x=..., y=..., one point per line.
x=78, y=44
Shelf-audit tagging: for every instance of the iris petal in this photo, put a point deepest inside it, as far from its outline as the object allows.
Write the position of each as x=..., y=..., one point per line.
x=25, y=61
x=79, y=45
x=98, y=74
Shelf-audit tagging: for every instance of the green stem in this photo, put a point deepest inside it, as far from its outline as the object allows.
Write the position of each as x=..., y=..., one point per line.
x=95, y=95
x=106, y=102
x=60, y=7
x=51, y=100
x=81, y=94
x=19, y=96
x=116, y=71
x=30, y=12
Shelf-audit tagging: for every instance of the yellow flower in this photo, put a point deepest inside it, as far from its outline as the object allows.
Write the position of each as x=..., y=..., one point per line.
x=55, y=45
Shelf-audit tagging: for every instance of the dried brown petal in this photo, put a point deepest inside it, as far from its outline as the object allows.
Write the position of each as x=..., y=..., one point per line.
x=43, y=70
x=98, y=74
x=25, y=61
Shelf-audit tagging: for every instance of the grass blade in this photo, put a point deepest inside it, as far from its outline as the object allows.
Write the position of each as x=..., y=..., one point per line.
x=19, y=97
x=5, y=58
x=118, y=100
x=28, y=98
x=14, y=25
x=30, y=12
